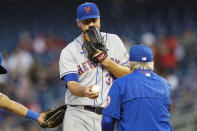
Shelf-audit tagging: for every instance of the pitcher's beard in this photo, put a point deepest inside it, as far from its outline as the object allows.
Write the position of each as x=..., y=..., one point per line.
x=83, y=31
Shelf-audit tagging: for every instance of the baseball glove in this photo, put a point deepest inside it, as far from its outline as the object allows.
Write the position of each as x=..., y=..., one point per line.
x=93, y=41
x=53, y=117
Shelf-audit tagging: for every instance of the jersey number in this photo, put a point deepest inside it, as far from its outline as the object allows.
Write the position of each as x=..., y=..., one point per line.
x=109, y=79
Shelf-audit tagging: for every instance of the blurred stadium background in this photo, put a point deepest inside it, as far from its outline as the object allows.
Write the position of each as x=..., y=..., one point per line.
x=33, y=32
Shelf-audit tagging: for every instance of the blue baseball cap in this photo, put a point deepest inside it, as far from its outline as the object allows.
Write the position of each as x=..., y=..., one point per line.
x=87, y=10
x=2, y=69
x=140, y=53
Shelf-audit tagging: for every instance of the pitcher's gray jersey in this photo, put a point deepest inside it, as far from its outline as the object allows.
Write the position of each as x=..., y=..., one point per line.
x=73, y=59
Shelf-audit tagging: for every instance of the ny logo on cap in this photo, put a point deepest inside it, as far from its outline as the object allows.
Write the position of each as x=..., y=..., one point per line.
x=87, y=9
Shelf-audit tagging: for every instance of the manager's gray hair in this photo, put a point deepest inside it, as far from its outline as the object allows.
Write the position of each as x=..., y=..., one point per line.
x=142, y=65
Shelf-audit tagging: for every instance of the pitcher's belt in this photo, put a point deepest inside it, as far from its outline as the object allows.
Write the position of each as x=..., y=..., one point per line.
x=97, y=110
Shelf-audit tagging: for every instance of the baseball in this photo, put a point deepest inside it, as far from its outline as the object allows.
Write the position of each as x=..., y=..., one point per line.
x=96, y=89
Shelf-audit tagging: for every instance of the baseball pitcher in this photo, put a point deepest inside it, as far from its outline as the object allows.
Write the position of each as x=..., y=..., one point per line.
x=93, y=58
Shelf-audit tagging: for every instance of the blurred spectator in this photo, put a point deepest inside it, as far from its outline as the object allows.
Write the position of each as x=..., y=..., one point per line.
x=20, y=62
x=188, y=42
x=173, y=80
x=166, y=54
x=148, y=39
x=55, y=43
x=39, y=43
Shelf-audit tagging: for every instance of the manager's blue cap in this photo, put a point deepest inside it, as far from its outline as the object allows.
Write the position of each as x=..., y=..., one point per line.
x=2, y=69
x=140, y=53
x=87, y=10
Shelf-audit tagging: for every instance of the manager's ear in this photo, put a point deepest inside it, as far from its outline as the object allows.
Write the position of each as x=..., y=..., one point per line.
x=131, y=68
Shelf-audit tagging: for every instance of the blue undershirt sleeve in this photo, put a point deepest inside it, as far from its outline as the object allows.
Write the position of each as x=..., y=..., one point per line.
x=32, y=115
x=71, y=77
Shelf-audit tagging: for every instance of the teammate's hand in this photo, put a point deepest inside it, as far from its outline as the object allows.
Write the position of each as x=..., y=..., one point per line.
x=88, y=93
x=40, y=119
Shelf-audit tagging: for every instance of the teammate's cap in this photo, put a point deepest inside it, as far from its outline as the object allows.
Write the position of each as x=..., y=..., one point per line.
x=140, y=53
x=87, y=10
x=2, y=69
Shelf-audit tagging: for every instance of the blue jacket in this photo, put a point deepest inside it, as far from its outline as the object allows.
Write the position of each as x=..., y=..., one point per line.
x=140, y=101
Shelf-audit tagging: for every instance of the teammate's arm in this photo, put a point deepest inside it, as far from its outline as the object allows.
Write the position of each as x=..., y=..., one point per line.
x=81, y=91
x=12, y=106
x=18, y=109
x=116, y=69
